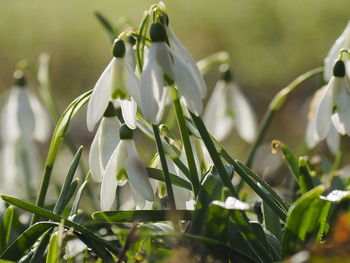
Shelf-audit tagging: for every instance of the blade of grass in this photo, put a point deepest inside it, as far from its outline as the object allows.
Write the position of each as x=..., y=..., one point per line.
x=5, y=227
x=58, y=135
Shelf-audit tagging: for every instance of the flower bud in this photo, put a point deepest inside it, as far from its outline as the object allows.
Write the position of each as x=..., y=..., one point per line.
x=339, y=69
x=19, y=79
x=119, y=49
x=125, y=133
x=158, y=33
x=110, y=111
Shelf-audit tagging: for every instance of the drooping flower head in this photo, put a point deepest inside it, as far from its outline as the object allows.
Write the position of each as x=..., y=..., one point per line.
x=125, y=165
x=167, y=66
x=23, y=121
x=117, y=82
x=334, y=104
x=343, y=42
x=227, y=107
x=104, y=143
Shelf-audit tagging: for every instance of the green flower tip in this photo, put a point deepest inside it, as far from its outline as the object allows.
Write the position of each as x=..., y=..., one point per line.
x=20, y=80
x=158, y=33
x=125, y=133
x=339, y=69
x=119, y=48
x=110, y=111
x=226, y=72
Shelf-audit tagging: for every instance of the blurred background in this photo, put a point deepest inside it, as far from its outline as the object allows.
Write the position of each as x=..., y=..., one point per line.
x=270, y=43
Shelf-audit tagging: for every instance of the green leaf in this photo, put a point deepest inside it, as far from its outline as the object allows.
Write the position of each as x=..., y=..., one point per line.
x=272, y=221
x=304, y=176
x=303, y=220
x=140, y=215
x=5, y=227
x=288, y=156
x=94, y=239
x=25, y=241
x=208, y=192
x=53, y=250
x=57, y=138
x=157, y=174
x=77, y=199
x=64, y=197
x=107, y=25
x=262, y=189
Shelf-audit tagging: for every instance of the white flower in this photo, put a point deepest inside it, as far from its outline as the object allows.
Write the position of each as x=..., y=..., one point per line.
x=23, y=120
x=23, y=117
x=123, y=165
x=343, y=42
x=164, y=61
x=104, y=143
x=117, y=81
x=312, y=138
x=226, y=108
x=333, y=106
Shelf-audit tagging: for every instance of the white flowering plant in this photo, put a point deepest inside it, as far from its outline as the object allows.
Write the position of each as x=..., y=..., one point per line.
x=193, y=201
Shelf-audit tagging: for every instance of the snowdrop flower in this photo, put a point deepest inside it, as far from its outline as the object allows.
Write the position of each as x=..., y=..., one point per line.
x=343, y=42
x=312, y=138
x=333, y=106
x=104, y=143
x=117, y=81
x=164, y=63
x=23, y=120
x=125, y=165
x=226, y=108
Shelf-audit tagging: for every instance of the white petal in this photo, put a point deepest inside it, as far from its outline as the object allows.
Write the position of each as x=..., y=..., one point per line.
x=333, y=140
x=109, y=138
x=42, y=122
x=215, y=116
x=342, y=42
x=161, y=52
x=324, y=110
x=244, y=115
x=342, y=100
x=182, y=52
x=25, y=115
x=129, y=109
x=138, y=199
x=339, y=126
x=187, y=86
x=130, y=56
x=100, y=97
x=109, y=180
x=137, y=174
x=132, y=83
x=152, y=82
x=95, y=157
x=311, y=134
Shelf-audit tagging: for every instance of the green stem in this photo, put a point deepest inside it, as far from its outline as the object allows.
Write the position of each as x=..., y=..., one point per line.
x=162, y=157
x=186, y=142
x=214, y=154
x=274, y=106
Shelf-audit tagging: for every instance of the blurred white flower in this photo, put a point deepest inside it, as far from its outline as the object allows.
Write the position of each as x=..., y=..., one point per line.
x=226, y=108
x=164, y=62
x=104, y=143
x=125, y=165
x=333, y=106
x=343, y=42
x=117, y=81
x=23, y=121
x=312, y=138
